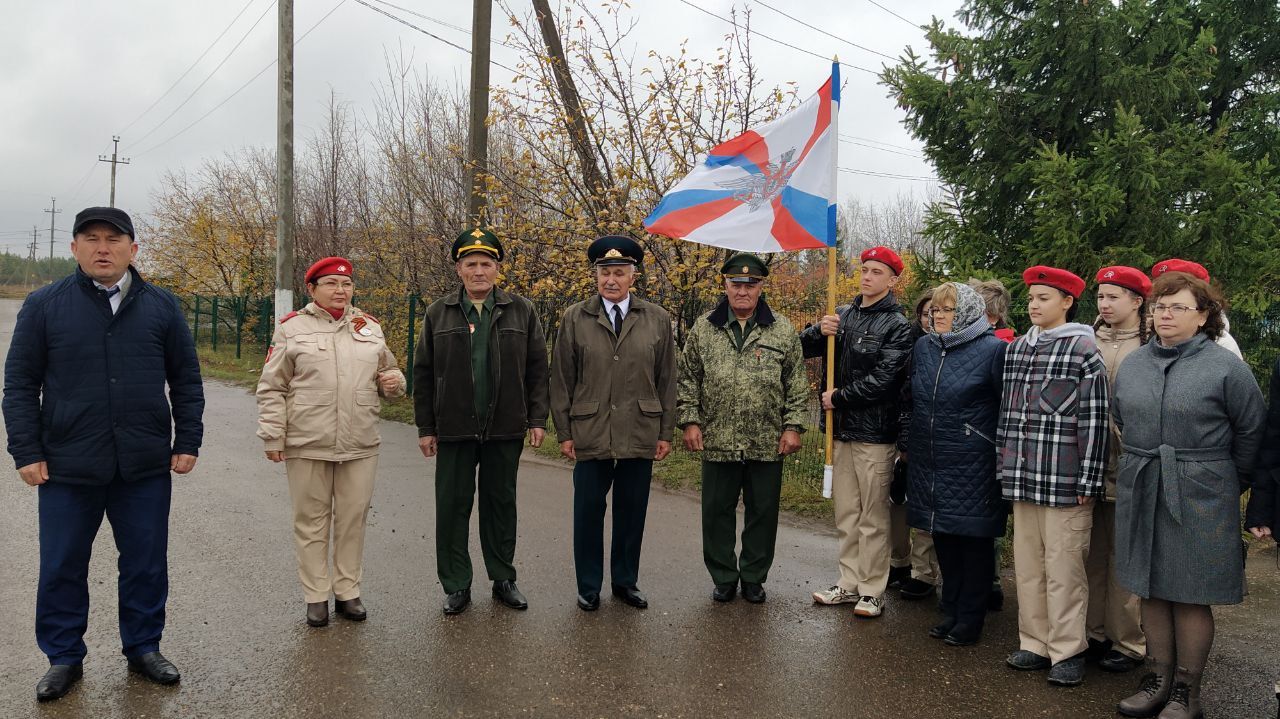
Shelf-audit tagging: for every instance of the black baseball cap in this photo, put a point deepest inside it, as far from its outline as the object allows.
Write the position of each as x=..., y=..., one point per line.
x=112, y=216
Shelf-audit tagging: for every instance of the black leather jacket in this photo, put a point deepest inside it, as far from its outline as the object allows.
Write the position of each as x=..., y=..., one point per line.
x=872, y=348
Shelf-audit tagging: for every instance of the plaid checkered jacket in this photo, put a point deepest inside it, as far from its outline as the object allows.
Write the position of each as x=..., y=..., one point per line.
x=1052, y=433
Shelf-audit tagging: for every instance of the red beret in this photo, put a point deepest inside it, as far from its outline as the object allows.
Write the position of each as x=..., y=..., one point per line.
x=884, y=255
x=1130, y=278
x=1053, y=277
x=329, y=266
x=1173, y=264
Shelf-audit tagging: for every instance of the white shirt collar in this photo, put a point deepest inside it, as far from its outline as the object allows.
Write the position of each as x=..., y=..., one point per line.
x=123, y=283
x=625, y=305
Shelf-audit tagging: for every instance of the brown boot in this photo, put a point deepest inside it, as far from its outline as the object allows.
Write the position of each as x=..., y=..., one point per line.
x=317, y=613
x=1153, y=692
x=1184, y=699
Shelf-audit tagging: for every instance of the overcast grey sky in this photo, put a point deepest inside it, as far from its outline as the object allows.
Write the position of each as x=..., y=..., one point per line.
x=77, y=72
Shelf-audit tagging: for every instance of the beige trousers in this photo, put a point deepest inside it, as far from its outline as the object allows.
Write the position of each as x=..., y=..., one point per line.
x=330, y=494
x=911, y=547
x=1049, y=549
x=860, y=489
x=1114, y=612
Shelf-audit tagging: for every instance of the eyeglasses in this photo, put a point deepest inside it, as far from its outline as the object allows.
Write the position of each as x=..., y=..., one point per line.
x=330, y=285
x=1176, y=310
x=942, y=310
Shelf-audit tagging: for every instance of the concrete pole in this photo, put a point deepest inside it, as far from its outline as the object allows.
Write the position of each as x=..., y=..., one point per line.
x=478, y=131
x=284, y=164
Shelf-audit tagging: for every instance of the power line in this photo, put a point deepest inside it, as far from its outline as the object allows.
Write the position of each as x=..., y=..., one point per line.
x=437, y=21
x=774, y=39
x=889, y=175
x=238, y=90
x=824, y=32
x=428, y=33
x=207, y=78
x=878, y=142
x=881, y=149
x=882, y=7
x=191, y=67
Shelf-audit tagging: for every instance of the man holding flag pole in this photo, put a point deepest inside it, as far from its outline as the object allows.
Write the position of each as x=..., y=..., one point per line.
x=773, y=189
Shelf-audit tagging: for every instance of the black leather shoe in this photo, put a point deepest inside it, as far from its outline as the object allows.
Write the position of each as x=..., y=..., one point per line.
x=57, y=681
x=1118, y=662
x=352, y=609
x=962, y=635
x=1097, y=649
x=589, y=602
x=725, y=592
x=456, y=602
x=506, y=592
x=155, y=668
x=753, y=592
x=898, y=575
x=317, y=614
x=942, y=629
x=630, y=595
x=916, y=589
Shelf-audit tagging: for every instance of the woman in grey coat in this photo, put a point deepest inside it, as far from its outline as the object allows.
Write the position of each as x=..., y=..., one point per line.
x=1192, y=416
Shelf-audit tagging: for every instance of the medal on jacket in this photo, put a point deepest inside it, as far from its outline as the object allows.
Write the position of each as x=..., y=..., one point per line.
x=359, y=325
x=472, y=325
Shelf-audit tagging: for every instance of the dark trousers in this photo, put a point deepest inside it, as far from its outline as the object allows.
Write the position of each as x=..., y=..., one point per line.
x=70, y=516
x=456, y=463
x=592, y=480
x=968, y=568
x=760, y=486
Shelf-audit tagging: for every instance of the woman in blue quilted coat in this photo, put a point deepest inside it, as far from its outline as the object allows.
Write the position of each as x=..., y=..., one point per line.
x=953, y=490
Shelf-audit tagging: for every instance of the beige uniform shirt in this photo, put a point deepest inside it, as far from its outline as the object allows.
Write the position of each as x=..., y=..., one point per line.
x=318, y=394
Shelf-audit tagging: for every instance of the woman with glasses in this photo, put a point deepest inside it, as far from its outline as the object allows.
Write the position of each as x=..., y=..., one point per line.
x=953, y=491
x=1192, y=417
x=318, y=413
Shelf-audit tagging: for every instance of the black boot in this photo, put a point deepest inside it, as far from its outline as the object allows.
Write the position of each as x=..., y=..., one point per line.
x=57, y=681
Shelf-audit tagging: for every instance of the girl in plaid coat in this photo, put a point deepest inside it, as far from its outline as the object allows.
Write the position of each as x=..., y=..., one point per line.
x=1052, y=439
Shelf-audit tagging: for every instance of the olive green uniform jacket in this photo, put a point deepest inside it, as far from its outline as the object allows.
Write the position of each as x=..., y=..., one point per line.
x=742, y=398
x=615, y=397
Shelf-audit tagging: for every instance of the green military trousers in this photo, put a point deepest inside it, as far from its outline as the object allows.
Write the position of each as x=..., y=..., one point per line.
x=760, y=485
x=456, y=475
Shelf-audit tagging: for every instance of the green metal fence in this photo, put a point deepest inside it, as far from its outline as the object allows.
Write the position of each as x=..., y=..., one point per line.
x=248, y=323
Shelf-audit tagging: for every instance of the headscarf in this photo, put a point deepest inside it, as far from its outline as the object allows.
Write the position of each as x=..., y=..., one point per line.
x=970, y=318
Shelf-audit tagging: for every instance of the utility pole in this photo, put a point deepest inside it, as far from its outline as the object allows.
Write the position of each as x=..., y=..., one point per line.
x=53, y=214
x=115, y=159
x=478, y=131
x=284, y=162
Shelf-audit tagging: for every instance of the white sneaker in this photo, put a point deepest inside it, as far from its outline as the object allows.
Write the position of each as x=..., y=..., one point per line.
x=869, y=607
x=834, y=595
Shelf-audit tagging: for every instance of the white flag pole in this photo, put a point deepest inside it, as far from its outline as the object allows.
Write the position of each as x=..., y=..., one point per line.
x=828, y=469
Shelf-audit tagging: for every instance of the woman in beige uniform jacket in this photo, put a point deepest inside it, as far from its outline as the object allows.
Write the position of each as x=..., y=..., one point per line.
x=1116, y=641
x=318, y=413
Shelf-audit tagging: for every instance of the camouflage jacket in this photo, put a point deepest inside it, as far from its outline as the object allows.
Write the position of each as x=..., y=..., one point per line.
x=742, y=399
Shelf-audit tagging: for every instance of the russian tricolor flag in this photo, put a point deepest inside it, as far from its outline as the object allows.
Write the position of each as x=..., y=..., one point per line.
x=771, y=189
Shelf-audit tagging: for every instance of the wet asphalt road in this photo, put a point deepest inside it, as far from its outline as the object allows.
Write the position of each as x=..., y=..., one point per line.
x=236, y=630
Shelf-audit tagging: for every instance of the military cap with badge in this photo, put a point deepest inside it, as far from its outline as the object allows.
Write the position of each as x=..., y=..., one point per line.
x=615, y=250
x=477, y=240
x=744, y=267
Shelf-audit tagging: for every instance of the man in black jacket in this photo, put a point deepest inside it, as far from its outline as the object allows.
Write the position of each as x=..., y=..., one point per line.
x=873, y=342
x=480, y=381
x=89, y=425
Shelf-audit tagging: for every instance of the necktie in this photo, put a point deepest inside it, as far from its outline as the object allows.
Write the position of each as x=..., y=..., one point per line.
x=617, y=321
x=112, y=292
